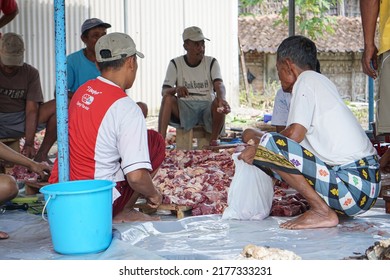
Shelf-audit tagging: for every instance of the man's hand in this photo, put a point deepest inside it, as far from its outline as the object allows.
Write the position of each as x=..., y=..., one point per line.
x=29, y=151
x=43, y=170
x=223, y=107
x=182, y=92
x=370, y=61
x=154, y=201
x=248, y=154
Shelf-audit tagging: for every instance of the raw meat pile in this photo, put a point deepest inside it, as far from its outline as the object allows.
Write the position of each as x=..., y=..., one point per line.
x=197, y=178
x=22, y=174
x=289, y=205
x=201, y=179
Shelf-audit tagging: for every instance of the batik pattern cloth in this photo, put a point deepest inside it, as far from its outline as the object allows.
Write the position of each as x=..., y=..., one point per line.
x=349, y=189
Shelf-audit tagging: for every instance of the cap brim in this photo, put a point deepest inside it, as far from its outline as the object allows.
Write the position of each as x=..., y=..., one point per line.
x=197, y=39
x=12, y=60
x=104, y=24
x=141, y=55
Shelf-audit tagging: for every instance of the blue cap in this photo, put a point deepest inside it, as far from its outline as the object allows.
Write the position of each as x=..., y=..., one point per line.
x=93, y=22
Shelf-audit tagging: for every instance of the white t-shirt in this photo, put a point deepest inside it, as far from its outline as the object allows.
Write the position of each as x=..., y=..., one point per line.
x=281, y=108
x=333, y=132
x=198, y=80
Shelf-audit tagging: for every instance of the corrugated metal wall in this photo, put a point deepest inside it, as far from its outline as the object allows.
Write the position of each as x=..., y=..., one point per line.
x=156, y=27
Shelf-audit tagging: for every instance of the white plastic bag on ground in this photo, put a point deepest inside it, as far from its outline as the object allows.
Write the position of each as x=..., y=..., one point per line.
x=250, y=194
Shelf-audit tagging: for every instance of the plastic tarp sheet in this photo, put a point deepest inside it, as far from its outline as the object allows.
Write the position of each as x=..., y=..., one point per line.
x=201, y=238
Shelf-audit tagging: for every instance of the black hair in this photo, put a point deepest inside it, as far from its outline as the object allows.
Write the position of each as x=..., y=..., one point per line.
x=300, y=50
x=318, y=66
x=114, y=64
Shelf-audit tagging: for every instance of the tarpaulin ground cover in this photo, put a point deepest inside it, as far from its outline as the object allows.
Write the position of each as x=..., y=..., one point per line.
x=201, y=238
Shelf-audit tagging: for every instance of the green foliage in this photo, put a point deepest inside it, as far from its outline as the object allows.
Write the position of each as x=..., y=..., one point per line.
x=250, y=3
x=311, y=16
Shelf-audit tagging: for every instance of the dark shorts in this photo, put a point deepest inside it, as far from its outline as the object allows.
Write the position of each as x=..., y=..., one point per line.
x=126, y=192
x=12, y=125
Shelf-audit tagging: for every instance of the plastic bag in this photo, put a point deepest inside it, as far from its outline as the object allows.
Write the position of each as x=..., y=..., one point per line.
x=250, y=194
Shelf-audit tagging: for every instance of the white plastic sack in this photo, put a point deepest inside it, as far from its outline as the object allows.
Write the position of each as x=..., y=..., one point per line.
x=250, y=194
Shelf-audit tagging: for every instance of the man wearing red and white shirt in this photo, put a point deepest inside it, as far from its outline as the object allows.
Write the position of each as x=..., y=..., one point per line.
x=108, y=138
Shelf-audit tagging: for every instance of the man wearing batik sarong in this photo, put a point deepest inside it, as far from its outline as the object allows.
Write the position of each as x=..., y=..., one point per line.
x=323, y=153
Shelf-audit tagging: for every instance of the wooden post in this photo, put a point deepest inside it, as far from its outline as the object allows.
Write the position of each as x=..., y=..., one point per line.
x=243, y=66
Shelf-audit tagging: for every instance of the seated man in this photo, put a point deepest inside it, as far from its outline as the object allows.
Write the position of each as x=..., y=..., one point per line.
x=323, y=153
x=108, y=138
x=193, y=92
x=22, y=111
x=81, y=65
x=8, y=186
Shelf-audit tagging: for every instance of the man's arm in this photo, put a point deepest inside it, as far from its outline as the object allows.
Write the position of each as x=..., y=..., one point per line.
x=9, y=16
x=295, y=132
x=141, y=182
x=369, y=10
x=166, y=90
x=220, y=91
x=12, y=156
x=32, y=110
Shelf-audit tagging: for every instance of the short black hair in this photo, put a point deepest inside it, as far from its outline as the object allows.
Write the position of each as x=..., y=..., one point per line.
x=114, y=64
x=300, y=50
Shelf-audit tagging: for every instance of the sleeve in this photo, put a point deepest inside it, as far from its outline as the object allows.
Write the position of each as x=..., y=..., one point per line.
x=34, y=90
x=171, y=75
x=215, y=70
x=133, y=139
x=9, y=6
x=302, y=105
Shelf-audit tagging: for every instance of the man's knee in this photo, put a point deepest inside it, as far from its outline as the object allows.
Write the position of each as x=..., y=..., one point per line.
x=251, y=133
x=168, y=99
x=9, y=188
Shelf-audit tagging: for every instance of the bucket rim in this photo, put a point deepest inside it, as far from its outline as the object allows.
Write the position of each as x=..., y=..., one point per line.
x=110, y=185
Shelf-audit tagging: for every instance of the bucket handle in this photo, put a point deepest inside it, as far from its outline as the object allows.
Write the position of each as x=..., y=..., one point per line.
x=44, y=208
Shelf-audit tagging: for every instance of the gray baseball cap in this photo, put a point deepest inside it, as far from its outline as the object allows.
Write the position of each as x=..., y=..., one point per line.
x=93, y=22
x=193, y=33
x=114, y=46
x=12, y=49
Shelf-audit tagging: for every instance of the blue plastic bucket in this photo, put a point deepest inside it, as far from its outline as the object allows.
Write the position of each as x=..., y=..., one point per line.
x=80, y=215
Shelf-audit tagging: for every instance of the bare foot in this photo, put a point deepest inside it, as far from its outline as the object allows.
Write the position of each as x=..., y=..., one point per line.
x=132, y=215
x=3, y=235
x=312, y=219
